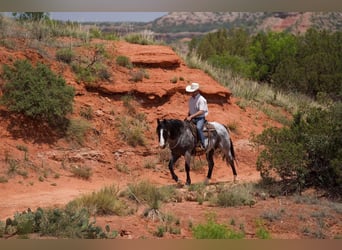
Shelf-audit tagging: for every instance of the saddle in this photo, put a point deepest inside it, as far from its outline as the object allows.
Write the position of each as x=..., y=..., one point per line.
x=208, y=131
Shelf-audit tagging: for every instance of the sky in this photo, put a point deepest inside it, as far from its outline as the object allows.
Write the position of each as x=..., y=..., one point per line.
x=106, y=16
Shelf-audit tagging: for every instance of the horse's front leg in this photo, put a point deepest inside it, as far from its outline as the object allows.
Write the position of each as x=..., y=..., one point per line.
x=171, y=164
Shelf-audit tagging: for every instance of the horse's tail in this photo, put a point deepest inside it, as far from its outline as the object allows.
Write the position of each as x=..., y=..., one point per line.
x=232, y=151
x=232, y=148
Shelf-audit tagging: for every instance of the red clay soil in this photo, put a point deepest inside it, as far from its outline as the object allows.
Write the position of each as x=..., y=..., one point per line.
x=45, y=179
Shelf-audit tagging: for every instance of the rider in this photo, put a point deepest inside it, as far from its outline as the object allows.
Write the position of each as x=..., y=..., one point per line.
x=198, y=110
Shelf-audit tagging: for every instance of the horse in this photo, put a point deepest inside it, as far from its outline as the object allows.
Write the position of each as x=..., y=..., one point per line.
x=182, y=142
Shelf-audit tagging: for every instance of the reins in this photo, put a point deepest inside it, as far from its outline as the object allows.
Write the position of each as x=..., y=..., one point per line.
x=174, y=145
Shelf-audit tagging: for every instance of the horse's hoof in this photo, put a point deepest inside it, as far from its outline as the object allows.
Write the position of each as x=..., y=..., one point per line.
x=206, y=181
x=235, y=179
x=180, y=184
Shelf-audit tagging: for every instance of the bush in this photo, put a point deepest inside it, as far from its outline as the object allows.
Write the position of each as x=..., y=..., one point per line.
x=36, y=92
x=307, y=154
x=213, y=230
x=62, y=223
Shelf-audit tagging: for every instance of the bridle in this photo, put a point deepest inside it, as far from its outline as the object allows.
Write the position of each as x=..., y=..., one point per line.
x=167, y=141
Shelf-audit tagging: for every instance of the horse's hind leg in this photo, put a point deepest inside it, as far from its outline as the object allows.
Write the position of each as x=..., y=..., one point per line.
x=210, y=160
x=228, y=155
x=230, y=161
x=187, y=168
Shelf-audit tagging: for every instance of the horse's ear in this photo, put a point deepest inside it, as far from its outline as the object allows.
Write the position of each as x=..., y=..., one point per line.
x=158, y=121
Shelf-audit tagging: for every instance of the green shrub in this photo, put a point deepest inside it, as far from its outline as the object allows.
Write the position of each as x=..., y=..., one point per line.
x=214, y=230
x=89, y=74
x=124, y=61
x=65, y=55
x=92, y=67
x=261, y=231
x=61, y=223
x=36, y=92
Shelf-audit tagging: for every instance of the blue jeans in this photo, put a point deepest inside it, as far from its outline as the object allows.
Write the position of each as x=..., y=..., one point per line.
x=199, y=125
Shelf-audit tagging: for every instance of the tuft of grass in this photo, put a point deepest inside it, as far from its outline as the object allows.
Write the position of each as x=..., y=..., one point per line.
x=77, y=130
x=143, y=38
x=272, y=215
x=146, y=192
x=103, y=202
x=233, y=126
x=122, y=167
x=137, y=76
x=124, y=61
x=24, y=149
x=3, y=179
x=65, y=55
x=174, y=79
x=84, y=172
x=164, y=156
x=236, y=195
x=262, y=232
x=87, y=112
x=150, y=163
x=132, y=131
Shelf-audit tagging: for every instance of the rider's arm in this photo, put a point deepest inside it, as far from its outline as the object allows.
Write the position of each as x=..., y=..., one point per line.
x=198, y=113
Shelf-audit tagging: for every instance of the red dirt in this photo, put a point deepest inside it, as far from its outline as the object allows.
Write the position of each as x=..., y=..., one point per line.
x=50, y=156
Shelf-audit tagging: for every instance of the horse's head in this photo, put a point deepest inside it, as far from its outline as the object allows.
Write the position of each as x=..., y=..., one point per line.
x=162, y=132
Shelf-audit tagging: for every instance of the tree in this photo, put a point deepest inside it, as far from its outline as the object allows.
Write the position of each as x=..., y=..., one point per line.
x=36, y=92
x=268, y=50
x=31, y=16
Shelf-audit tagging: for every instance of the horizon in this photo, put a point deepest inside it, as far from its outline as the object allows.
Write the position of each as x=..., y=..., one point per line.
x=106, y=16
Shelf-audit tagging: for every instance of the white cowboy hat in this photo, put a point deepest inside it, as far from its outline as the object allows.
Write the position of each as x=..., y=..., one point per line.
x=192, y=88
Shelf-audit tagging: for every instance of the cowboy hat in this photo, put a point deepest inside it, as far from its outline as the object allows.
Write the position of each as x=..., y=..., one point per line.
x=192, y=88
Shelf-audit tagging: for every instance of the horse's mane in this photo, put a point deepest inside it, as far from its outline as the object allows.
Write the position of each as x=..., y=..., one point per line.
x=175, y=126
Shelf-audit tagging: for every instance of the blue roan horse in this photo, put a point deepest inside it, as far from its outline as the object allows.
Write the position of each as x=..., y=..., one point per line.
x=181, y=140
